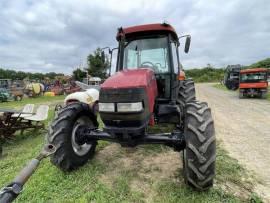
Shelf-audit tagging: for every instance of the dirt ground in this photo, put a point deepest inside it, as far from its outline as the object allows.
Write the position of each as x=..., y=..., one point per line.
x=243, y=127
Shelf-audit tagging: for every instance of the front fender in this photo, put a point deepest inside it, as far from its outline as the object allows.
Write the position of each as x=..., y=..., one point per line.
x=89, y=97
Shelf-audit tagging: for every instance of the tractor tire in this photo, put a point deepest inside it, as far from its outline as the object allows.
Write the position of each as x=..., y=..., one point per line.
x=200, y=153
x=57, y=108
x=241, y=95
x=186, y=92
x=1, y=150
x=264, y=95
x=69, y=155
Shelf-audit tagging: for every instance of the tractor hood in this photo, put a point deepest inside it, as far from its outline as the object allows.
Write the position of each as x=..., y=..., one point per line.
x=129, y=86
x=129, y=79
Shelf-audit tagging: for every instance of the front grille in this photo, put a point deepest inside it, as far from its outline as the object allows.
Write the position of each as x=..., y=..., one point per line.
x=122, y=95
x=126, y=119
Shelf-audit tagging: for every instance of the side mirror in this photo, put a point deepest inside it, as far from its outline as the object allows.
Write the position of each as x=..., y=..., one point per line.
x=103, y=56
x=110, y=61
x=187, y=44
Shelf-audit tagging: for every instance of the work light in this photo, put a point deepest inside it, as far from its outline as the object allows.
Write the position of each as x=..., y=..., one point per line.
x=106, y=107
x=130, y=107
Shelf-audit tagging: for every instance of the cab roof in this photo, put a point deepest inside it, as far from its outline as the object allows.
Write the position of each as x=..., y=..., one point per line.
x=140, y=30
x=254, y=70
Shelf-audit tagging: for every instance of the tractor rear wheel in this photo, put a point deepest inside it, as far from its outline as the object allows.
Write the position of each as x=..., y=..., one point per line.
x=69, y=154
x=186, y=92
x=200, y=153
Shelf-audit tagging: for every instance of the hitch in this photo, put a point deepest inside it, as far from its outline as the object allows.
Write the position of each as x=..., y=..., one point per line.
x=12, y=190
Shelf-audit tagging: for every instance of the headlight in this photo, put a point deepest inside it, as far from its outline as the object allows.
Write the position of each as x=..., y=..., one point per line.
x=106, y=107
x=129, y=107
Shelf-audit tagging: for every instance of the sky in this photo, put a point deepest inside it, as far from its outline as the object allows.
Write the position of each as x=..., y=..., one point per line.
x=57, y=35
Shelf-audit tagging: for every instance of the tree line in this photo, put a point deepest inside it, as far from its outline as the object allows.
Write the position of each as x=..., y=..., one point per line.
x=261, y=64
x=207, y=74
x=210, y=74
x=98, y=65
x=20, y=75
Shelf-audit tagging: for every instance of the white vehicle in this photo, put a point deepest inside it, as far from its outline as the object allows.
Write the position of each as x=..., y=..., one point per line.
x=90, y=96
x=92, y=81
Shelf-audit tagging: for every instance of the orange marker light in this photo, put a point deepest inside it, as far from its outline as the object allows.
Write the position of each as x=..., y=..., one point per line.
x=182, y=75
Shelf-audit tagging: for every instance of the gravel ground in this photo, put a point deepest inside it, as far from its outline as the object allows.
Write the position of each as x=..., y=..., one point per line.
x=243, y=127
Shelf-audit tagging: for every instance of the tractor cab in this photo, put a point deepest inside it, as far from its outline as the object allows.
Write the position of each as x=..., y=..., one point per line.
x=155, y=47
x=146, y=79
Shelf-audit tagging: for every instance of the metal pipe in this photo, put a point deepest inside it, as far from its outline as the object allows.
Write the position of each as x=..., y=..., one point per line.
x=11, y=191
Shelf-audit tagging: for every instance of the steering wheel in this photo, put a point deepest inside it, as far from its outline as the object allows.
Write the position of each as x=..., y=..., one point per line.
x=147, y=63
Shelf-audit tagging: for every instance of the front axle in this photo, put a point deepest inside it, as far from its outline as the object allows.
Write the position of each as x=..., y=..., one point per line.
x=87, y=135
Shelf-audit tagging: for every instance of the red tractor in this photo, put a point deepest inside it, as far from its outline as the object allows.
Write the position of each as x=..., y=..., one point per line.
x=253, y=82
x=149, y=88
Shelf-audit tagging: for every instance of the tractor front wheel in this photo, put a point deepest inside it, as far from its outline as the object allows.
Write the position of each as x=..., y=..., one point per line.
x=69, y=154
x=200, y=153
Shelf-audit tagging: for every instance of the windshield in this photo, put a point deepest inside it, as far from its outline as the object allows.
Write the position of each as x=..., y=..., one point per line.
x=147, y=53
x=253, y=77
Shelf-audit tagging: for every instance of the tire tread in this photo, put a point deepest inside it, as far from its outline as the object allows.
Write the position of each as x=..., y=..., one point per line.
x=200, y=152
x=59, y=134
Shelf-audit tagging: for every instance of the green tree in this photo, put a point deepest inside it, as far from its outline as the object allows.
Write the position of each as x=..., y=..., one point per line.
x=78, y=74
x=53, y=75
x=206, y=74
x=20, y=75
x=98, y=64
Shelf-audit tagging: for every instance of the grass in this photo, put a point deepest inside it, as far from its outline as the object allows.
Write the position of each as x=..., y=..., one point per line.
x=35, y=100
x=120, y=175
x=268, y=96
